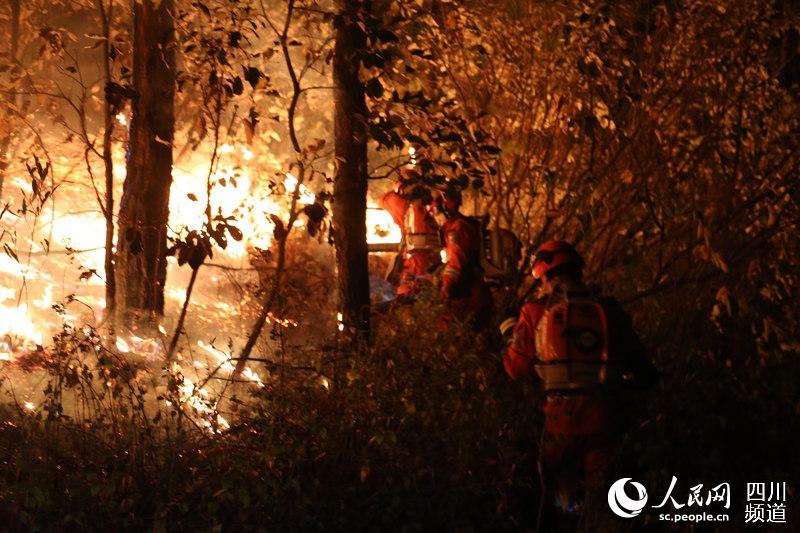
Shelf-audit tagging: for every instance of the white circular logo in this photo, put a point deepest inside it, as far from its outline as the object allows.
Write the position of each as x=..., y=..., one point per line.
x=621, y=504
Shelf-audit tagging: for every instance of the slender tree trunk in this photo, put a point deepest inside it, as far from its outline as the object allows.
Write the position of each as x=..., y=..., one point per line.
x=144, y=206
x=274, y=292
x=11, y=97
x=350, y=185
x=106, y=18
x=173, y=343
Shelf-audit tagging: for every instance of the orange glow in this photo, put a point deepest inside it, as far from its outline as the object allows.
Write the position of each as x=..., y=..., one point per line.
x=381, y=227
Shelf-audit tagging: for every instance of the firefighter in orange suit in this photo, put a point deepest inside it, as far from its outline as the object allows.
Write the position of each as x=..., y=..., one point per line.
x=421, y=243
x=587, y=355
x=463, y=288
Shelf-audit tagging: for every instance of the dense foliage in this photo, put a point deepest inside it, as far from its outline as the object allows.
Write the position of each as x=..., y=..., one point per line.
x=406, y=436
x=661, y=137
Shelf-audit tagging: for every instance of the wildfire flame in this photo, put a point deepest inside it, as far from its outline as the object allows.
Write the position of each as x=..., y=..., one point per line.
x=381, y=227
x=71, y=239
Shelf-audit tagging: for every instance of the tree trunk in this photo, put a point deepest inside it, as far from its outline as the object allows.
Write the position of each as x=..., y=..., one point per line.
x=108, y=162
x=11, y=96
x=350, y=185
x=144, y=206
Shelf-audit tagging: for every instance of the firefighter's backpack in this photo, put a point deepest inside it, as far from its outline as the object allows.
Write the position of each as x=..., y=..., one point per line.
x=572, y=346
x=500, y=252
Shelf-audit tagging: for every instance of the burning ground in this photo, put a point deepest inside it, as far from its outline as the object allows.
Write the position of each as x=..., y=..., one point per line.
x=52, y=279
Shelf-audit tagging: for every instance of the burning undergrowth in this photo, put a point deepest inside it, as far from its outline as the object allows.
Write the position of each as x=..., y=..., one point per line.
x=127, y=444
x=52, y=279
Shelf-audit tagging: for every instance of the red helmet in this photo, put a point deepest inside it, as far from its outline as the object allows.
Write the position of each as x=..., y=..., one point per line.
x=554, y=254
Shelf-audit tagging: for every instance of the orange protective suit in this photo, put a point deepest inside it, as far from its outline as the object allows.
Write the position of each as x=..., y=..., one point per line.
x=421, y=238
x=463, y=287
x=582, y=429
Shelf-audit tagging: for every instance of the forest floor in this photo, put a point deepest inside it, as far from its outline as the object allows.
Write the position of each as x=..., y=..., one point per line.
x=421, y=430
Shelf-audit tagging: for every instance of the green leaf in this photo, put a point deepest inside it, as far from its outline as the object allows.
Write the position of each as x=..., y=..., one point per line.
x=374, y=88
x=235, y=232
x=252, y=75
x=237, y=86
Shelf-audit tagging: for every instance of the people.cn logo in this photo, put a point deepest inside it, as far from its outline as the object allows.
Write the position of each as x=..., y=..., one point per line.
x=623, y=505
